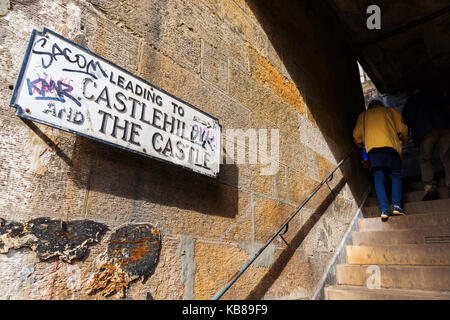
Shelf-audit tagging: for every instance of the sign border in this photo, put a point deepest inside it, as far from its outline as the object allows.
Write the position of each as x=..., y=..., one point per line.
x=20, y=113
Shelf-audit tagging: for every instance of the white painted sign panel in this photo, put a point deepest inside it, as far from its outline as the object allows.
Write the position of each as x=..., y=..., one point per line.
x=68, y=87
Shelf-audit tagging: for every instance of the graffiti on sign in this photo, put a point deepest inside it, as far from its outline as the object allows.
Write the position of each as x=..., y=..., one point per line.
x=68, y=87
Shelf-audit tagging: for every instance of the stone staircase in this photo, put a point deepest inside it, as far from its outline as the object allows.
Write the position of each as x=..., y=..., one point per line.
x=403, y=258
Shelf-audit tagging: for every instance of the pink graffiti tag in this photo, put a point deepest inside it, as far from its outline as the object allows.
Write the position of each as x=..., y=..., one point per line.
x=205, y=136
x=58, y=90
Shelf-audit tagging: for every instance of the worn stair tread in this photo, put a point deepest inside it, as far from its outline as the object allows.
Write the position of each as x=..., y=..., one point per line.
x=410, y=186
x=409, y=254
x=418, y=207
x=423, y=277
x=419, y=186
x=363, y=293
x=424, y=235
x=412, y=196
x=405, y=222
x=439, y=176
x=429, y=254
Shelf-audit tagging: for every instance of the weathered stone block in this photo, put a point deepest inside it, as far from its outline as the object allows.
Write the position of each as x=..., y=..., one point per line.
x=216, y=264
x=275, y=58
x=295, y=154
x=241, y=4
x=246, y=27
x=223, y=219
x=132, y=253
x=282, y=184
x=269, y=217
x=110, y=41
x=247, y=165
x=214, y=66
x=17, y=25
x=144, y=18
x=325, y=166
x=314, y=138
x=215, y=6
x=164, y=73
x=4, y=7
x=344, y=209
x=288, y=279
x=44, y=165
x=208, y=24
x=263, y=102
x=265, y=258
x=165, y=283
x=300, y=186
x=179, y=201
x=182, y=44
x=266, y=73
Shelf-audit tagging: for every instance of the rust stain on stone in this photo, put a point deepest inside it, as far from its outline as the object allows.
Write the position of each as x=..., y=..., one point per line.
x=110, y=279
x=266, y=73
x=132, y=253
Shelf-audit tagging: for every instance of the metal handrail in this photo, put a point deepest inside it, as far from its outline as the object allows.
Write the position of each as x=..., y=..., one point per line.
x=280, y=232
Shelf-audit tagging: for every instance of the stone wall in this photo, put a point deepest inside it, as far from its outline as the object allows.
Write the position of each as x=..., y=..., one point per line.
x=244, y=62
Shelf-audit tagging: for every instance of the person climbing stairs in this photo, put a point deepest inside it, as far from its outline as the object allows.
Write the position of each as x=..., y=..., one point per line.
x=402, y=258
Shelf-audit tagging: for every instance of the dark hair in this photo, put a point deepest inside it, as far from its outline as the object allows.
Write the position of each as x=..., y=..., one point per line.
x=375, y=102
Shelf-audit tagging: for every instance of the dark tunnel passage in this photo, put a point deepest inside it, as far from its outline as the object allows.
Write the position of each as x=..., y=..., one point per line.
x=410, y=50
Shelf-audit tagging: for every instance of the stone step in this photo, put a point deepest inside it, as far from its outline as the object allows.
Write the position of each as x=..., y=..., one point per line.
x=437, y=176
x=395, y=276
x=418, y=185
x=411, y=186
x=405, y=222
x=363, y=293
x=428, y=254
x=414, y=196
x=440, y=234
x=442, y=205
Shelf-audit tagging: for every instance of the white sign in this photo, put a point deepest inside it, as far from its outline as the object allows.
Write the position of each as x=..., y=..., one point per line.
x=68, y=87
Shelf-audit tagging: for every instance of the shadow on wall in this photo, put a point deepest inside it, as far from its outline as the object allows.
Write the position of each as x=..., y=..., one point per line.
x=112, y=171
x=306, y=37
x=280, y=263
x=116, y=174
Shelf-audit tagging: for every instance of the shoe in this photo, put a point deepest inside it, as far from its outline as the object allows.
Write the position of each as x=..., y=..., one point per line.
x=398, y=211
x=430, y=193
x=386, y=214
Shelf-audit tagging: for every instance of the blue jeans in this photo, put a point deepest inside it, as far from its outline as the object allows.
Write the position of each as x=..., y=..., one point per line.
x=396, y=177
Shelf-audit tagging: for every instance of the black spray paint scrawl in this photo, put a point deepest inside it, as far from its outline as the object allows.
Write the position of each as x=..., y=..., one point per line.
x=132, y=253
x=50, y=238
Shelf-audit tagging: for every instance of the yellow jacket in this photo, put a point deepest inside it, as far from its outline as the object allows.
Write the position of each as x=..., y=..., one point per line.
x=380, y=127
